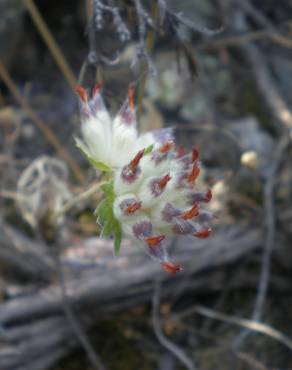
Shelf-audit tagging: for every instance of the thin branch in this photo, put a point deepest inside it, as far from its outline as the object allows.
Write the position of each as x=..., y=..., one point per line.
x=74, y=323
x=259, y=17
x=249, y=324
x=78, y=199
x=269, y=211
x=270, y=93
x=50, y=42
x=43, y=127
x=283, y=118
x=180, y=18
x=246, y=357
x=7, y=194
x=270, y=227
x=240, y=38
x=221, y=346
x=173, y=348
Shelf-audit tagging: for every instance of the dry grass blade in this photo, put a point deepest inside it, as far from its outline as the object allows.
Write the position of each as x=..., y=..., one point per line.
x=242, y=38
x=78, y=199
x=75, y=324
x=249, y=324
x=173, y=348
x=50, y=136
x=270, y=236
x=50, y=42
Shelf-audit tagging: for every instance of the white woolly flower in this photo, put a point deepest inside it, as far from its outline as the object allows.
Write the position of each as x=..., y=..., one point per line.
x=112, y=142
x=151, y=193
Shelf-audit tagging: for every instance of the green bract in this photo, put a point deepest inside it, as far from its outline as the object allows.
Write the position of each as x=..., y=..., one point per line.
x=105, y=216
x=149, y=149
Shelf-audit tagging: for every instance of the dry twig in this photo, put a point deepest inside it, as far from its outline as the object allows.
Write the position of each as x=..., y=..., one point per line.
x=283, y=117
x=165, y=342
x=51, y=43
x=74, y=323
x=238, y=38
x=43, y=127
x=249, y=324
x=270, y=220
x=269, y=91
x=77, y=199
x=259, y=17
x=108, y=285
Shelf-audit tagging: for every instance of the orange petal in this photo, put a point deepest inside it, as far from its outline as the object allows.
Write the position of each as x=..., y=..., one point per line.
x=195, y=154
x=152, y=241
x=97, y=88
x=82, y=93
x=193, y=174
x=162, y=183
x=133, y=207
x=208, y=196
x=134, y=163
x=131, y=100
x=166, y=147
x=203, y=233
x=171, y=267
x=191, y=213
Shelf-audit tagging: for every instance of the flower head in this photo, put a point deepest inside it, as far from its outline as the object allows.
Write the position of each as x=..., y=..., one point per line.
x=113, y=142
x=152, y=191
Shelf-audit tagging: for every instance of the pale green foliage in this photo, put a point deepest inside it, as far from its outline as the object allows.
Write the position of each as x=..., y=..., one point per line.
x=105, y=216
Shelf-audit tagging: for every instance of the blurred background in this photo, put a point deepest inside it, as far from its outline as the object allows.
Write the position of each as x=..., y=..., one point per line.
x=219, y=73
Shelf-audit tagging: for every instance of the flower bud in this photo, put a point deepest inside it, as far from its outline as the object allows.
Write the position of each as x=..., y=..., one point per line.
x=191, y=213
x=129, y=177
x=151, y=190
x=126, y=206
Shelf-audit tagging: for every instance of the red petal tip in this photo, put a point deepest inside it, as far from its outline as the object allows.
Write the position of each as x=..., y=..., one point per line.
x=193, y=174
x=82, y=93
x=171, y=267
x=166, y=147
x=162, y=183
x=191, y=213
x=131, y=100
x=195, y=154
x=97, y=88
x=133, y=207
x=203, y=233
x=134, y=163
x=152, y=241
x=208, y=196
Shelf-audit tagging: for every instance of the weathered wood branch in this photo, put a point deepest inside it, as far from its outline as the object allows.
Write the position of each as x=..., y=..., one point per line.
x=35, y=334
x=121, y=277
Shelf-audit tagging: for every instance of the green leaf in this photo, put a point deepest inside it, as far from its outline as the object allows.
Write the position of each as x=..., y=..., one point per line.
x=117, y=241
x=105, y=216
x=108, y=189
x=97, y=164
x=149, y=149
x=101, y=166
x=109, y=228
x=104, y=210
